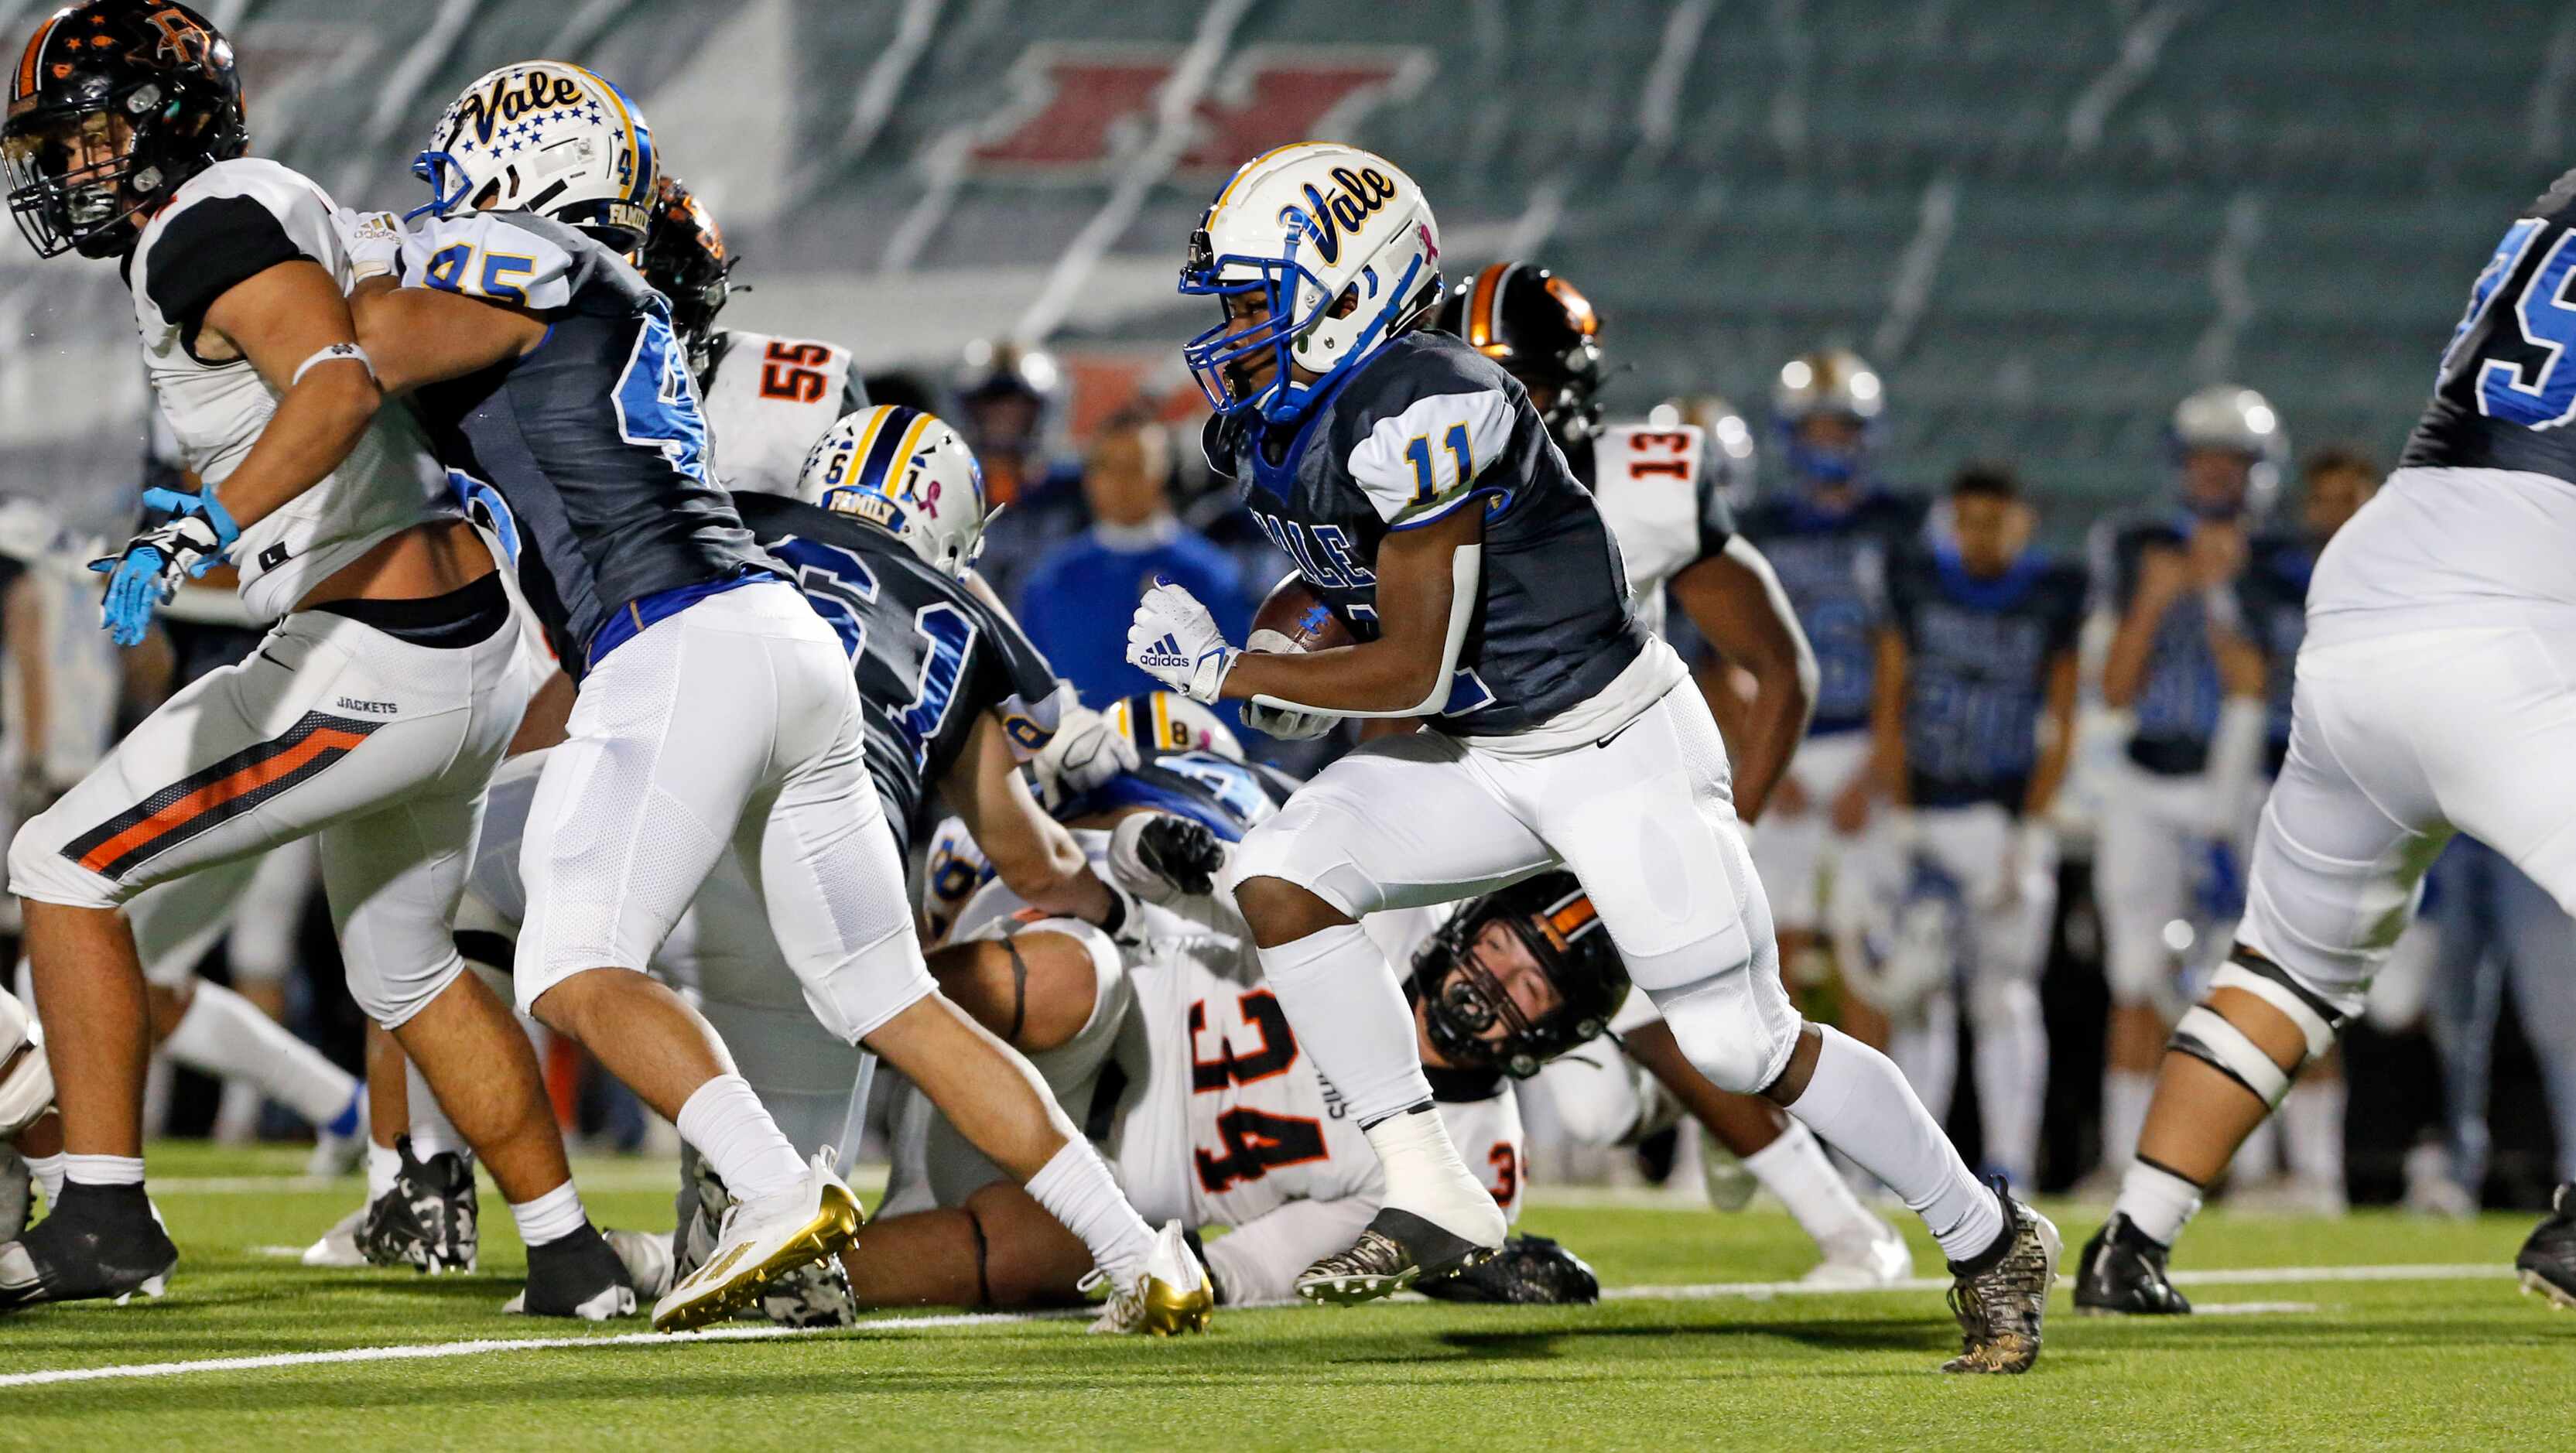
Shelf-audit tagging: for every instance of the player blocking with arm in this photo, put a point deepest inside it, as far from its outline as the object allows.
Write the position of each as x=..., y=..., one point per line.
x=1976, y=686
x=373, y=713
x=1417, y=490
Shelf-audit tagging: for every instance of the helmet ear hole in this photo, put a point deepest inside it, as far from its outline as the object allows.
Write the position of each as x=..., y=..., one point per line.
x=1347, y=304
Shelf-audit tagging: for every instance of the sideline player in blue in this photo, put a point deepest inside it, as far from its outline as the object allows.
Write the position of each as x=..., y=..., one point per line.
x=1974, y=721
x=1419, y=494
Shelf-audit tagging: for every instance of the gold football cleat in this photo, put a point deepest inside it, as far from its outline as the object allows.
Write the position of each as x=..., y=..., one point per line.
x=1172, y=1297
x=762, y=1241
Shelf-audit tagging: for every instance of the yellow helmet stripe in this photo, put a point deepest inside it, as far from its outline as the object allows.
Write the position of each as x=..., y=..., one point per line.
x=1246, y=170
x=921, y=422
x=1163, y=721
x=868, y=431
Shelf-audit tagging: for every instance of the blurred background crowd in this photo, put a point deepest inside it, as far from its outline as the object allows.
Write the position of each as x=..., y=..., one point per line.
x=2169, y=268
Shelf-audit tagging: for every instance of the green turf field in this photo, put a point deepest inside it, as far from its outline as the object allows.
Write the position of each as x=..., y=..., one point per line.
x=1675, y=1359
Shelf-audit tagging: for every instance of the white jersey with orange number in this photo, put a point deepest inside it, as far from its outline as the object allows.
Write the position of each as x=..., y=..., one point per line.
x=768, y=399
x=1663, y=505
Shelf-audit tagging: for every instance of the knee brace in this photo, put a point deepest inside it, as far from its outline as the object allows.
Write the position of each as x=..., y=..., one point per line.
x=26, y=1077
x=2207, y=1036
x=1724, y=1039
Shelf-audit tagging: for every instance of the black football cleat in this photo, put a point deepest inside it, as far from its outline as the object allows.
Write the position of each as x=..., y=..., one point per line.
x=2122, y=1272
x=1397, y=1250
x=2547, y=1260
x=96, y=1242
x=1530, y=1271
x=579, y=1275
x=2001, y=1295
x=427, y=1221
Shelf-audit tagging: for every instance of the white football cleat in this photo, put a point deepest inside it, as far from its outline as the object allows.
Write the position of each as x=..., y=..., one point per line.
x=760, y=1240
x=647, y=1255
x=339, y=1245
x=1858, y=1262
x=1171, y=1297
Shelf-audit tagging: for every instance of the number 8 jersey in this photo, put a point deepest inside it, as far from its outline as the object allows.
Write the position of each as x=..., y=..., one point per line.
x=2506, y=390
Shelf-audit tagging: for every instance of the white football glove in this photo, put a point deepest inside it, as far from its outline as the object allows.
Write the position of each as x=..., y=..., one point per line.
x=1286, y=724
x=1087, y=751
x=1174, y=640
x=1283, y=723
x=374, y=241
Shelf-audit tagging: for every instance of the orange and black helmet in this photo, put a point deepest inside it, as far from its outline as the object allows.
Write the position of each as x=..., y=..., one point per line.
x=114, y=104
x=1464, y=1000
x=1543, y=329
x=685, y=259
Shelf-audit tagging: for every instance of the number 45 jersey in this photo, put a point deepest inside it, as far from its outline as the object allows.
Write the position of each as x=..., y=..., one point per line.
x=768, y=400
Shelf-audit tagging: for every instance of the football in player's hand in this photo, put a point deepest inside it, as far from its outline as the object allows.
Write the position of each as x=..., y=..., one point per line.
x=1293, y=617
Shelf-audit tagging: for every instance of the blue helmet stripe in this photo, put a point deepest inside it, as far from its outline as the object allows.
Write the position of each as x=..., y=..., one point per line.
x=880, y=461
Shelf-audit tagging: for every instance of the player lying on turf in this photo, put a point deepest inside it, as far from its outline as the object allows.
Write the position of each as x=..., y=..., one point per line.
x=1415, y=486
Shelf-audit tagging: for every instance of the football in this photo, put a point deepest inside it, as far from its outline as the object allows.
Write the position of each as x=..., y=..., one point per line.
x=1293, y=617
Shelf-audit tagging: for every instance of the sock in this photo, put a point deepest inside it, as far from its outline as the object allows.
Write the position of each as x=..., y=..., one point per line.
x=384, y=1163
x=225, y=1035
x=1076, y=1189
x=1350, y=1015
x=432, y=1133
x=103, y=1170
x=550, y=1217
x=1425, y=1177
x=2012, y=1077
x=351, y=1114
x=2125, y=1094
x=2312, y=1121
x=2157, y=1201
x=1928, y=1054
x=48, y=1171
x=1794, y=1168
x=1858, y=1103
x=723, y=1118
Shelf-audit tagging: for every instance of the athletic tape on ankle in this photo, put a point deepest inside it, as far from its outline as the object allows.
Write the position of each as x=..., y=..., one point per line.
x=2273, y=988
x=2205, y=1035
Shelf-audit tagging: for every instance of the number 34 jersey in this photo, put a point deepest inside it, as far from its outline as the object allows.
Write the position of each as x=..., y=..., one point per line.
x=1227, y=1119
x=768, y=400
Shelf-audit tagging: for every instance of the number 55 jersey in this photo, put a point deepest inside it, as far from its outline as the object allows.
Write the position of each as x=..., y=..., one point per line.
x=768, y=400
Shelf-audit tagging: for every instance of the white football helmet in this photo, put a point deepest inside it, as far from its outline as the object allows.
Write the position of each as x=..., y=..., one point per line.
x=1829, y=381
x=1167, y=721
x=2235, y=418
x=1730, y=440
x=907, y=472
x=1304, y=226
x=26, y=1079
x=546, y=137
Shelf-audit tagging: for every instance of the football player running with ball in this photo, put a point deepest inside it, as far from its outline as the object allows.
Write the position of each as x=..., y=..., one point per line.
x=1418, y=492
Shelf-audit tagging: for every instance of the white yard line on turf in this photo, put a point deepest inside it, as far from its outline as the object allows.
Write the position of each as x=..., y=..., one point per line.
x=2247, y=1276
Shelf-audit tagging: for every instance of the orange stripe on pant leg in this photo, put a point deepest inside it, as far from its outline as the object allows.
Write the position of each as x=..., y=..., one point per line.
x=215, y=794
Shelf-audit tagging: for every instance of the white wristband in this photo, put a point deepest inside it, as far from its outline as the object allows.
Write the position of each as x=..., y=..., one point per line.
x=333, y=354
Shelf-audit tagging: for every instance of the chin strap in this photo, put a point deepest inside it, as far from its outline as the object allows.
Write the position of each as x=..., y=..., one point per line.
x=1466, y=570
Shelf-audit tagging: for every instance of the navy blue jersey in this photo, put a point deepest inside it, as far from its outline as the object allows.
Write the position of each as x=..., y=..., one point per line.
x=2178, y=703
x=1833, y=564
x=2506, y=389
x=930, y=655
x=595, y=443
x=1978, y=657
x=1427, y=427
x=2273, y=594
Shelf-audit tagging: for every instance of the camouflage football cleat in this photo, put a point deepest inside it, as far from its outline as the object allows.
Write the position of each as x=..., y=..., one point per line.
x=1173, y=1295
x=97, y=1242
x=428, y=1220
x=2000, y=1297
x=1529, y=1271
x=2122, y=1271
x=2547, y=1260
x=1397, y=1250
